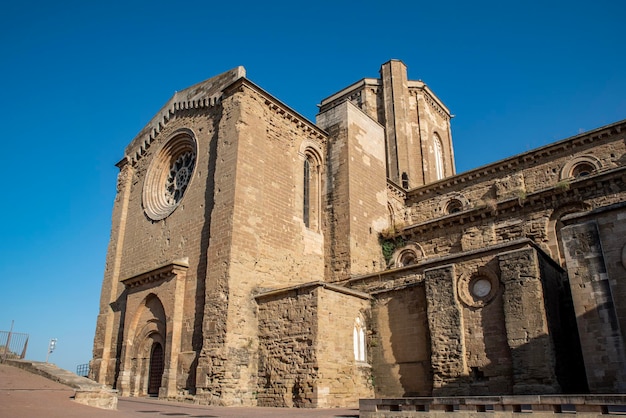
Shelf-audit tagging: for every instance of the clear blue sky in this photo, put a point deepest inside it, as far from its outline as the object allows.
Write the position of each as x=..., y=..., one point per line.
x=80, y=78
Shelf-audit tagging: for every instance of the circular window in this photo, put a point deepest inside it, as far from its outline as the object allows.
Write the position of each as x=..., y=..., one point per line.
x=481, y=288
x=169, y=175
x=478, y=290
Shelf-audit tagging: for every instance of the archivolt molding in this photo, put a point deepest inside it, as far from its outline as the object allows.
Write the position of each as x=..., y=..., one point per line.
x=567, y=170
x=446, y=200
x=313, y=148
x=410, y=254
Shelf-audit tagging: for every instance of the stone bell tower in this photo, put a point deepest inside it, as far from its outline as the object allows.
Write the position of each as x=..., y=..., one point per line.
x=417, y=129
x=418, y=139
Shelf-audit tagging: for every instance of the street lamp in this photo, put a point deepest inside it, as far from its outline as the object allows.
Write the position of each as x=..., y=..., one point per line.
x=51, y=346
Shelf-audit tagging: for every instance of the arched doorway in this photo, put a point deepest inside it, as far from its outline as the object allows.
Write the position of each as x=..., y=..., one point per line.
x=156, y=368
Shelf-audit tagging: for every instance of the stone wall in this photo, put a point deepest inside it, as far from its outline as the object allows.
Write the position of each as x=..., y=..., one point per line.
x=270, y=246
x=288, y=335
x=595, y=305
x=139, y=245
x=357, y=192
x=522, y=175
x=306, y=354
x=342, y=380
x=432, y=319
x=400, y=343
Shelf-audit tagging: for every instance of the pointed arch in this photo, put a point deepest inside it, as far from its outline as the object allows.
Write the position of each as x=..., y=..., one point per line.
x=311, y=188
x=148, y=329
x=358, y=336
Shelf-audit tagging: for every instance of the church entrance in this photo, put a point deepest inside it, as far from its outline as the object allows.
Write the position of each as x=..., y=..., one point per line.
x=156, y=369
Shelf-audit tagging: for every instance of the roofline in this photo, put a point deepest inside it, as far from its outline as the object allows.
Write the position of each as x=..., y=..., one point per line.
x=310, y=285
x=518, y=159
x=289, y=112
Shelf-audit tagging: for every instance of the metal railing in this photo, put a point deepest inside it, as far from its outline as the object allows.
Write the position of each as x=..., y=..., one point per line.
x=13, y=345
x=82, y=370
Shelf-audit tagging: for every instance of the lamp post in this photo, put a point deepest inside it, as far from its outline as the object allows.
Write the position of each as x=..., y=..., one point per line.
x=51, y=346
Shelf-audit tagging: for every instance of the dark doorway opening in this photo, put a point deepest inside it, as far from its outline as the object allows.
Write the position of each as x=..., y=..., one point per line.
x=156, y=369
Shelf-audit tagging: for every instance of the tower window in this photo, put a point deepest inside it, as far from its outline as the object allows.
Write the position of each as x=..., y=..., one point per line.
x=306, y=200
x=311, y=190
x=438, y=148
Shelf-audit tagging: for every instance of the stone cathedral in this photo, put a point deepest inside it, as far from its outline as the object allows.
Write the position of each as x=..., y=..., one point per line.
x=259, y=258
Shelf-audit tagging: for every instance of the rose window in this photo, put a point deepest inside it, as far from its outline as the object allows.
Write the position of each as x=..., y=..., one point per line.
x=169, y=176
x=179, y=176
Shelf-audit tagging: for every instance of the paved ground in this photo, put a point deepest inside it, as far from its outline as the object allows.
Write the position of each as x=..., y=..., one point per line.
x=26, y=395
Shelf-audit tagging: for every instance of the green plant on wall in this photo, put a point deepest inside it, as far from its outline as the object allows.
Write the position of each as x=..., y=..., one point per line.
x=390, y=245
x=563, y=185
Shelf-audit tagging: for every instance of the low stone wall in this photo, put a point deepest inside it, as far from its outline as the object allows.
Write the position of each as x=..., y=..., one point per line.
x=586, y=406
x=86, y=390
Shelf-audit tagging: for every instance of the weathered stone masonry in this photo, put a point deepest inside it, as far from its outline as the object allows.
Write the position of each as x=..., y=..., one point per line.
x=258, y=258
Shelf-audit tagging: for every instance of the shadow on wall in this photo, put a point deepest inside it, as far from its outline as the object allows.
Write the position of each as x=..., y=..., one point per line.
x=401, y=354
x=209, y=201
x=399, y=344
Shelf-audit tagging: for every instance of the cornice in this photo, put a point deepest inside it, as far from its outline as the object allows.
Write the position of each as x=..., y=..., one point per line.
x=512, y=163
x=385, y=276
x=203, y=95
x=280, y=109
x=515, y=204
x=432, y=100
x=159, y=274
x=396, y=190
x=164, y=116
x=348, y=93
x=311, y=285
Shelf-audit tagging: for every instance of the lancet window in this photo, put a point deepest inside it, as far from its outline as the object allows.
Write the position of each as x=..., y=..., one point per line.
x=359, y=340
x=311, y=190
x=438, y=148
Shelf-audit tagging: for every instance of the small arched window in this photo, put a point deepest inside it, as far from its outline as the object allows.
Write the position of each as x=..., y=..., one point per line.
x=359, y=340
x=454, y=206
x=438, y=149
x=582, y=169
x=581, y=166
x=407, y=258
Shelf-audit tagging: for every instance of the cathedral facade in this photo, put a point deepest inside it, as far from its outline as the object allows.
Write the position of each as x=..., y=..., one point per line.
x=258, y=258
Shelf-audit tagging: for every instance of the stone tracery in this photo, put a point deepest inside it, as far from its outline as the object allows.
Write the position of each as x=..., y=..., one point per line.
x=169, y=175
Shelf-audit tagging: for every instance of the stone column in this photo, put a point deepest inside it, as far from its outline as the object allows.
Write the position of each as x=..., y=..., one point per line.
x=600, y=337
x=103, y=365
x=526, y=322
x=168, y=387
x=445, y=323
